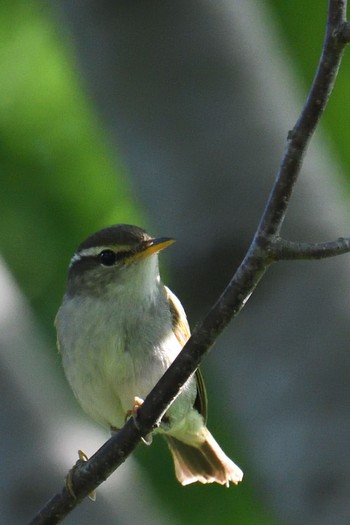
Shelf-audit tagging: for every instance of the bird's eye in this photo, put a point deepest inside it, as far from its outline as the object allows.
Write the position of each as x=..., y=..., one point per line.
x=108, y=257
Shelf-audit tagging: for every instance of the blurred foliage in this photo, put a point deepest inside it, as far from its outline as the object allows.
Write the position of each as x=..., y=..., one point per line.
x=60, y=181
x=302, y=27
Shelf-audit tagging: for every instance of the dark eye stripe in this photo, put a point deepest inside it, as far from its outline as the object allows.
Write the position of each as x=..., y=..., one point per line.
x=109, y=257
x=122, y=255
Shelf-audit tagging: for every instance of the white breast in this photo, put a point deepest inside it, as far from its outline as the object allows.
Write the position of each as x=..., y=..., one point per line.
x=108, y=360
x=118, y=346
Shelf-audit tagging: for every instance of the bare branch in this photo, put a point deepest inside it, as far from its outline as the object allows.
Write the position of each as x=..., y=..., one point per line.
x=299, y=136
x=344, y=33
x=283, y=249
x=86, y=476
x=265, y=248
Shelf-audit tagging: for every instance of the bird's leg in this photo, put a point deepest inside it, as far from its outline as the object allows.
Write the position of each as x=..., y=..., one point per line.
x=69, y=478
x=133, y=413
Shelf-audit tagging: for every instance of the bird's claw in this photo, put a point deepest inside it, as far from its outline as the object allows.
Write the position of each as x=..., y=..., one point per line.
x=138, y=401
x=82, y=458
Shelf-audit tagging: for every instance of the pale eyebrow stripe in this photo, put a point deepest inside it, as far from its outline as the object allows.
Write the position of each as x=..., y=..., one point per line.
x=95, y=250
x=88, y=252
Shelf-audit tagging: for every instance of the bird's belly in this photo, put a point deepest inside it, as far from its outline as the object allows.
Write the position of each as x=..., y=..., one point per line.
x=106, y=379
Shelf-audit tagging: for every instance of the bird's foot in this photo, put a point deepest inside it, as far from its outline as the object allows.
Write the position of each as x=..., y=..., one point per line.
x=69, y=478
x=138, y=401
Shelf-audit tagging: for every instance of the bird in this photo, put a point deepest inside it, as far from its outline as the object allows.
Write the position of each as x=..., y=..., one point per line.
x=118, y=329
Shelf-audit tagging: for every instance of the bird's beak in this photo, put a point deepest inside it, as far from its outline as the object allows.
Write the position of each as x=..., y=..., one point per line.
x=152, y=246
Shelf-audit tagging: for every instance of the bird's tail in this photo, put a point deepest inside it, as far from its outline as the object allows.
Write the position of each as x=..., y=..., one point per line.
x=205, y=462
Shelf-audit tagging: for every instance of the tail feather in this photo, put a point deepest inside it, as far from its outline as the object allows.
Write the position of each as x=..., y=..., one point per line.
x=205, y=462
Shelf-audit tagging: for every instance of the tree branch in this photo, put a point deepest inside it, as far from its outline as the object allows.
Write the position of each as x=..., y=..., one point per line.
x=344, y=33
x=266, y=248
x=299, y=136
x=282, y=249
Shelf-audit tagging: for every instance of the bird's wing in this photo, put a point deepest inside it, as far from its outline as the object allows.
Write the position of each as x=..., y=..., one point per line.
x=182, y=332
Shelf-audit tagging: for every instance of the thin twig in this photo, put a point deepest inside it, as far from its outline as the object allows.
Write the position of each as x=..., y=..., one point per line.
x=299, y=137
x=88, y=475
x=283, y=249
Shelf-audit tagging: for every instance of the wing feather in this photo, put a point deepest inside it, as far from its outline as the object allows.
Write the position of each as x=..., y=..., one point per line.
x=182, y=333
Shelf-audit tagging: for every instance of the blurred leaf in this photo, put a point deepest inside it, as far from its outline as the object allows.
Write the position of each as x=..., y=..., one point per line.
x=302, y=25
x=59, y=180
